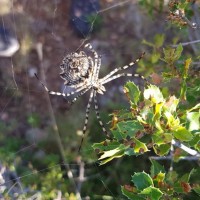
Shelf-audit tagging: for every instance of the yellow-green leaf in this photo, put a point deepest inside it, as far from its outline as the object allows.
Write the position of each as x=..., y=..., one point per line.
x=183, y=134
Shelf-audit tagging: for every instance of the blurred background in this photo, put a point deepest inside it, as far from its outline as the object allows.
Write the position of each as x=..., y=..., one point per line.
x=40, y=134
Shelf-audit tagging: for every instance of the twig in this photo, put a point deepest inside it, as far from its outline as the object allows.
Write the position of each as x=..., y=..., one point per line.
x=186, y=43
x=185, y=148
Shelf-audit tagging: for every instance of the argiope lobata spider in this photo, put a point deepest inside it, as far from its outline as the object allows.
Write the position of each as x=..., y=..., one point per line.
x=81, y=72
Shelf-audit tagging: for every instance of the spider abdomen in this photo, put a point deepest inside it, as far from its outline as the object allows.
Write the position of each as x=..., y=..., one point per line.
x=75, y=68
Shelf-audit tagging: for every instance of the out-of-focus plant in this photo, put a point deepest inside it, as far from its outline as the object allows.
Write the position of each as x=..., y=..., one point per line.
x=180, y=13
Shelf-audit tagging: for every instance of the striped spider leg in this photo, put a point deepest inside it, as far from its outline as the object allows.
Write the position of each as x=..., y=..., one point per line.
x=81, y=72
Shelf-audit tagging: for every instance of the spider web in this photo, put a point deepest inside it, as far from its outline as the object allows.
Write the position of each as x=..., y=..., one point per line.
x=39, y=134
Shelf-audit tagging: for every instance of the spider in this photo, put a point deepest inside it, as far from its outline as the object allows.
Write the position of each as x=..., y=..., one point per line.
x=81, y=72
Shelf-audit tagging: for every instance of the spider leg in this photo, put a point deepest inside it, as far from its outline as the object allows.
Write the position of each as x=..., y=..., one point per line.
x=104, y=81
x=124, y=67
x=98, y=115
x=86, y=118
x=59, y=93
x=97, y=60
x=79, y=95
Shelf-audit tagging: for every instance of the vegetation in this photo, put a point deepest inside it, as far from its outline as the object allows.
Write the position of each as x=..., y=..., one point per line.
x=154, y=147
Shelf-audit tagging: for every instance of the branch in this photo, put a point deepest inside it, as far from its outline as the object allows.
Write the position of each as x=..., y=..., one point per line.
x=186, y=149
x=190, y=158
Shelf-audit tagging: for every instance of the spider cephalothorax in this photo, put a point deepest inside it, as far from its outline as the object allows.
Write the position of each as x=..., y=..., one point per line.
x=81, y=72
x=75, y=68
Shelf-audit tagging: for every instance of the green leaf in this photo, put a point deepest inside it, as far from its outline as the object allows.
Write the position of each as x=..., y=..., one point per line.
x=130, y=195
x=153, y=94
x=195, y=142
x=139, y=147
x=130, y=152
x=106, y=145
x=162, y=149
x=159, y=40
x=171, y=177
x=162, y=138
x=183, y=134
x=146, y=116
x=194, y=120
x=118, y=135
x=152, y=193
x=129, y=128
x=178, y=51
x=178, y=187
x=172, y=122
x=186, y=177
x=107, y=156
x=142, y=180
x=156, y=168
x=133, y=92
x=155, y=57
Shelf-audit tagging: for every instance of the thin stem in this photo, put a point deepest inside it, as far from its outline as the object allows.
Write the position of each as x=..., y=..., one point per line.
x=186, y=43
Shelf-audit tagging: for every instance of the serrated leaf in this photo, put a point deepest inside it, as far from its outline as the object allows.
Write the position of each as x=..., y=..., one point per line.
x=133, y=92
x=162, y=149
x=162, y=138
x=106, y=145
x=139, y=147
x=153, y=94
x=152, y=193
x=156, y=168
x=130, y=195
x=142, y=180
x=129, y=128
x=183, y=134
